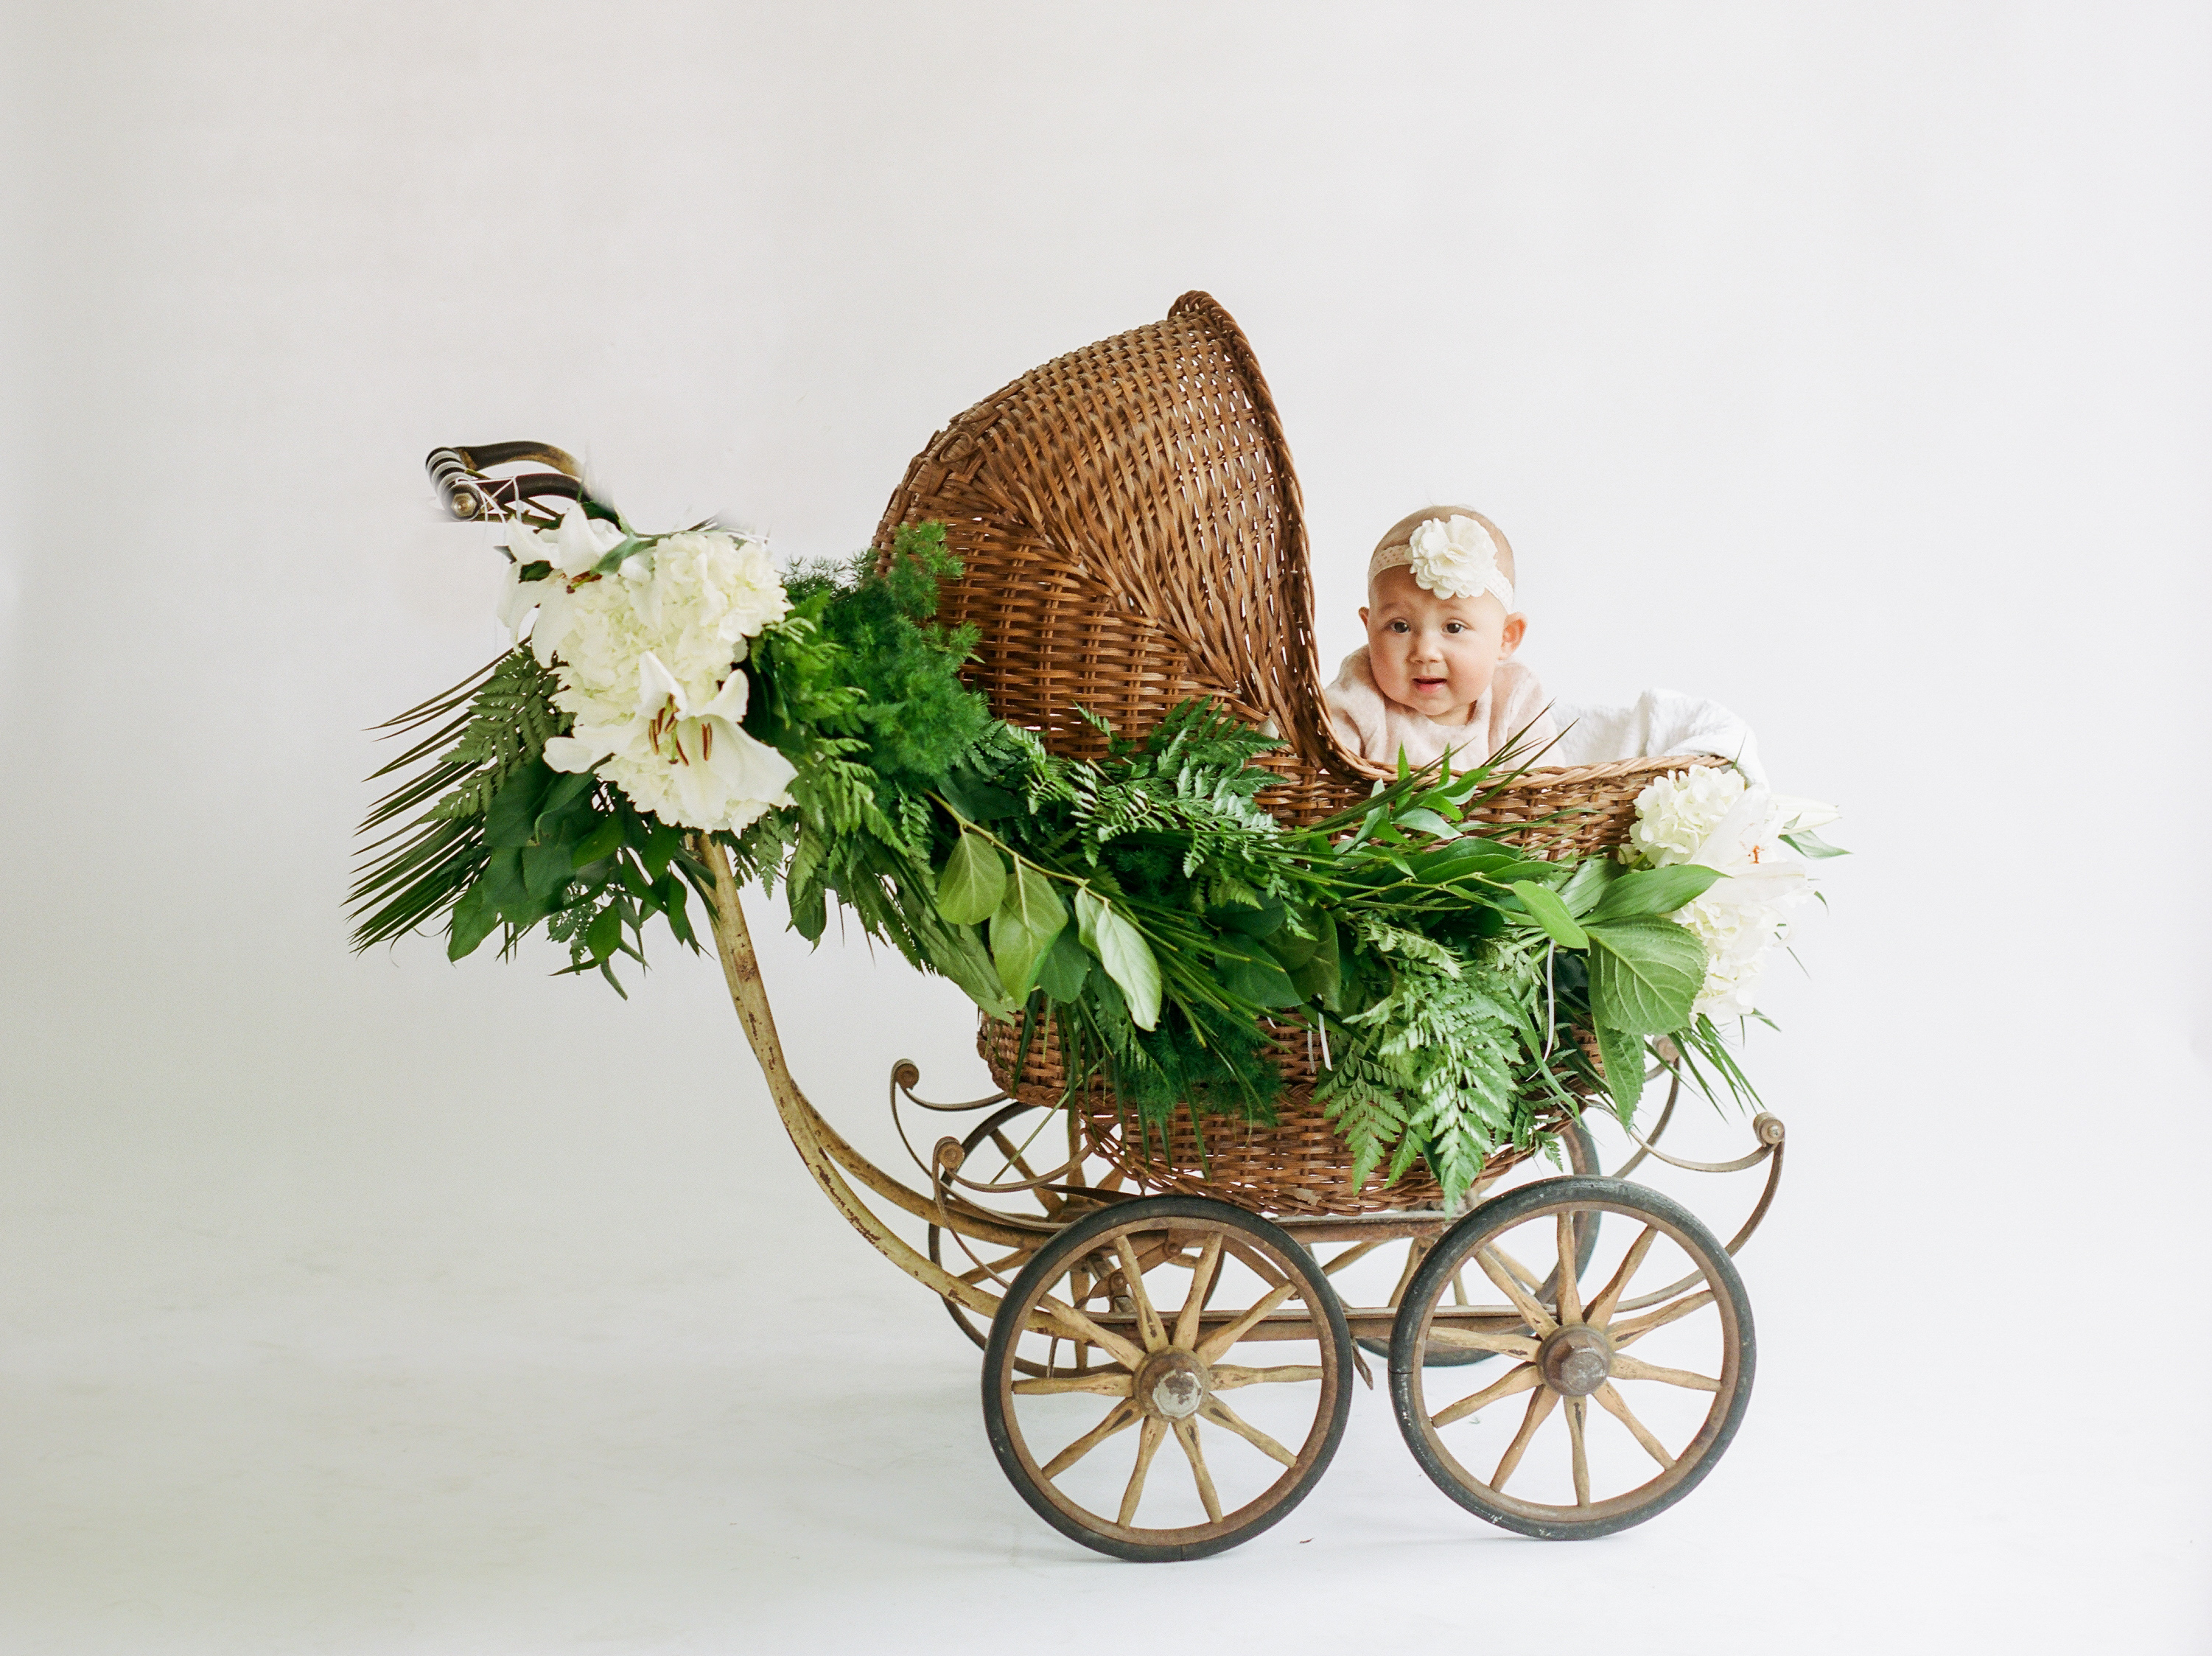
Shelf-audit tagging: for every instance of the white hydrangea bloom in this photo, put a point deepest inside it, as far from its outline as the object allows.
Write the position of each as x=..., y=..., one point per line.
x=648, y=659
x=1712, y=818
x=1674, y=813
x=1738, y=936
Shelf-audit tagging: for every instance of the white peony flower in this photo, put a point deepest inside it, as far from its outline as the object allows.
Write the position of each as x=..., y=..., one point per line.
x=648, y=659
x=1455, y=557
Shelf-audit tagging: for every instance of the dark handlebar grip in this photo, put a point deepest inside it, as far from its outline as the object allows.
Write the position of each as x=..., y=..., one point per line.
x=457, y=474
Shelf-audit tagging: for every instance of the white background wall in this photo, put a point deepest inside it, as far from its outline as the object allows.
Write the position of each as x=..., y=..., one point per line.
x=1847, y=364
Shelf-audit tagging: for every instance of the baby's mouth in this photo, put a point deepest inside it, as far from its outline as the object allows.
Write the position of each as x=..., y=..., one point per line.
x=1428, y=686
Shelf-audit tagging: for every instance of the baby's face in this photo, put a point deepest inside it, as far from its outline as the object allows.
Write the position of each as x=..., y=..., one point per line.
x=1436, y=656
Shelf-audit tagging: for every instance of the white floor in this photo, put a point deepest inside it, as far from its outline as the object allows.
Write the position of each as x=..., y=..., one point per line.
x=572, y=1395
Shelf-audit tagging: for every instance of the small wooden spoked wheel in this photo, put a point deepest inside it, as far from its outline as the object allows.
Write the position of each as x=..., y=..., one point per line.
x=1108, y=1380
x=1656, y=1334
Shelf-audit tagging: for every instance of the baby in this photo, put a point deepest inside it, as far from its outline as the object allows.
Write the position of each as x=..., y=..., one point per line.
x=1438, y=671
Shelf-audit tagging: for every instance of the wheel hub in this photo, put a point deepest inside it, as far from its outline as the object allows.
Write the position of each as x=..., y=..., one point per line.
x=1575, y=1361
x=1171, y=1383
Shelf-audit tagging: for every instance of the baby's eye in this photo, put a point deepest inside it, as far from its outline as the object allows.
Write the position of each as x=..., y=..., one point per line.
x=1399, y=626
x=1455, y=626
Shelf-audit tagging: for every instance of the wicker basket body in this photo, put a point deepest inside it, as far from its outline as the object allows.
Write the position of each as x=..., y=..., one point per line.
x=1132, y=535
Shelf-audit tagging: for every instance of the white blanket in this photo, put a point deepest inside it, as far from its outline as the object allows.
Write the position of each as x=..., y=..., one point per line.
x=1659, y=722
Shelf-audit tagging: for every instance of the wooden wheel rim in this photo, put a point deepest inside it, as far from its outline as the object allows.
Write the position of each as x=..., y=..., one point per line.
x=1551, y=1199
x=1241, y=1234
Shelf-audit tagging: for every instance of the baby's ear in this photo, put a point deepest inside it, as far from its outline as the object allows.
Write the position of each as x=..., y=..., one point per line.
x=1362, y=615
x=1517, y=626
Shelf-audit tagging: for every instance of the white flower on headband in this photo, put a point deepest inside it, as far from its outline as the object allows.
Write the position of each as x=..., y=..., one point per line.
x=1455, y=557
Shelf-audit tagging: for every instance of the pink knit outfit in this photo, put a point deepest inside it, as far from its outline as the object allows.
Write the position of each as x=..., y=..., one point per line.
x=1374, y=727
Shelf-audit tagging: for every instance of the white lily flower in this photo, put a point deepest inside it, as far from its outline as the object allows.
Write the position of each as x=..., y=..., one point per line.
x=1800, y=815
x=578, y=543
x=517, y=602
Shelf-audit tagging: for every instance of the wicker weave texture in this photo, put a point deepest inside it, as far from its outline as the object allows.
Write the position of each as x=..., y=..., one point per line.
x=1133, y=536
x=1299, y=1166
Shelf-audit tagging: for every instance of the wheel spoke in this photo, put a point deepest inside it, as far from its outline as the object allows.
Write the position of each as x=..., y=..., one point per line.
x=1132, y=1356
x=1106, y=1382
x=1223, y=1416
x=1570, y=1295
x=1149, y=1325
x=1462, y=1339
x=1616, y=1406
x=1227, y=1377
x=1539, y=1407
x=1187, y=1434
x=1458, y=1287
x=1119, y=1417
x=1628, y=1333
x=1494, y=1267
x=1350, y=1255
x=1519, y=1380
x=1627, y=1368
x=1522, y=1274
x=1602, y=1309
x=1201, y=1279
x=1148, y=1443
x=1222, y=1338
x=1419, y=1251
x=1575, y=1407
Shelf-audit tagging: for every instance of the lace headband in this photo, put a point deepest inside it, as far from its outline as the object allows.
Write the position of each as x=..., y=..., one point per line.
x=1453, y=557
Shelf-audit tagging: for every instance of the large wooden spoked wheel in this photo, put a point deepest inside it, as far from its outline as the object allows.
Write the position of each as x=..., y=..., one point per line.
x=1656, y=1334
x=1145, y=1318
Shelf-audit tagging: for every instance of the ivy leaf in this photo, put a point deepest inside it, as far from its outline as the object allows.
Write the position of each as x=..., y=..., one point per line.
x=603, y=841
x=1588, y=884
x=1128, y=959
x=474, y=917
x=1292, y=951
x=1029, y=917
x=1321, y=977
x=1065, y=967
x=1654, y=892
x=1258, y=981
x=605, y=936
x=664, y=841
x=1623, y=1056
x=546, y=869
x=503, y=881
x=675, y=905
x=1546, y=910
x=511, y=819
x=974, y=881
x=1645, y=976
x=565, y=789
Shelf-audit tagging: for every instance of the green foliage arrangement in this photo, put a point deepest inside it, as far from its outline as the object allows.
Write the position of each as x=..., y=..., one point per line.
x=1144, y=905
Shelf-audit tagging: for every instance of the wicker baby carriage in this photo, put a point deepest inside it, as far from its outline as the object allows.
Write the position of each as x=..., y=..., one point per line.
x=1132, y=536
